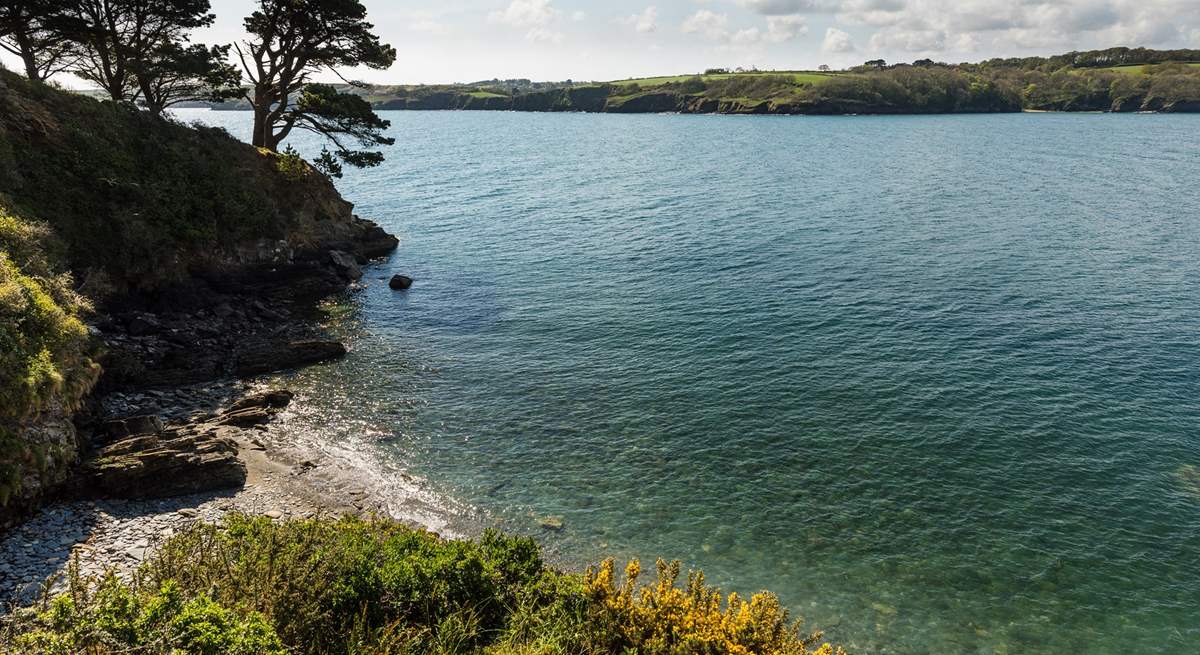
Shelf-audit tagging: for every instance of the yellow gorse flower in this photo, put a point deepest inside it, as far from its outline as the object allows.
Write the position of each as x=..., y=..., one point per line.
x=663, y=618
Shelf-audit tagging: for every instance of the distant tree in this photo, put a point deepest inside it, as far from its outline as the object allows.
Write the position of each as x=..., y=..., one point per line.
x=875, y=63
x=824, y=68
x=290, y=40
x=34, y=30
x=123, y=46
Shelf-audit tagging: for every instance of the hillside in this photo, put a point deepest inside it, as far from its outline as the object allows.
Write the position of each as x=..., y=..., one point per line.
x=106, y=207
x=1117, y=79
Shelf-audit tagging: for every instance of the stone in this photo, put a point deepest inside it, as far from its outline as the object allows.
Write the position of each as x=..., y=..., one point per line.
x=274, y=399
x=245, y=418
x=400, y=282
x=273, y=514
x=141, y=324
x=178, y=461
x=267, y=358
x=345, y=264
x=551, y=523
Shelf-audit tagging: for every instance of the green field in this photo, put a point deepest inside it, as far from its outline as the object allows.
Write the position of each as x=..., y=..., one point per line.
x=800, y=77
x=1137, y=69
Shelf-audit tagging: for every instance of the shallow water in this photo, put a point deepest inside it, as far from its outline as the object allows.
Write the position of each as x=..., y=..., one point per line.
x=931, y=379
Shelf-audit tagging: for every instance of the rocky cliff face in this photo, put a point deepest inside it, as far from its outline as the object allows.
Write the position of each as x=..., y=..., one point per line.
x=37, y=456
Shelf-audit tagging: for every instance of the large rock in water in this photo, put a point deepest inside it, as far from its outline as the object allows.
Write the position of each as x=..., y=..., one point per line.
x=266, y=358
x=400, y=282
x=345, y=264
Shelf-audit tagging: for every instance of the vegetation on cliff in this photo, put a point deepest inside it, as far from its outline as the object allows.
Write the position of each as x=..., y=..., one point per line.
x=373, y=587
x=1117, y=79
x=139, y=201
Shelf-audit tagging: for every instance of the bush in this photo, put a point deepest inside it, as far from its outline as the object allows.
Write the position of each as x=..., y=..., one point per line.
x=44, y=351
x=371, y=587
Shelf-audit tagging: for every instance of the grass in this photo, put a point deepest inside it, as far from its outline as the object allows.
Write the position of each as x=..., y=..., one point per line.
x=1138, y=69
x=373, y=587
x=800, y=77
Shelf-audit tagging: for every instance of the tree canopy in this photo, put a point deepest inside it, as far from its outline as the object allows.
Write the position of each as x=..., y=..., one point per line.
x=290, y=41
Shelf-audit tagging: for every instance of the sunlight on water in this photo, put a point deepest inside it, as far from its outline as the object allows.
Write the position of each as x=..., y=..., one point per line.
x=931, y=379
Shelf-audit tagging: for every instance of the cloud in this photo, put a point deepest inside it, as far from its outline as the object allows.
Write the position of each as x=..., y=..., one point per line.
x=707, y=23
x=837, y=41
x=785, y=28
x=1001, y=27
x=715, y=27
x=536, y=16
x=644, y=22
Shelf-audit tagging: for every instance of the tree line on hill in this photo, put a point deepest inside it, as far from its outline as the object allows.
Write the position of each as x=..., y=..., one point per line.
x=141, y=54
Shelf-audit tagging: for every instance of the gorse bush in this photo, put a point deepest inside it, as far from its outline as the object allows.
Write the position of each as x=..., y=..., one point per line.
x=368, y=587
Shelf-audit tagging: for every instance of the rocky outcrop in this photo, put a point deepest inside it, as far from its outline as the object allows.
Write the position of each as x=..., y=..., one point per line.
x=269, y=357
x=180, y=459
x=39, y=454
x=174, y=462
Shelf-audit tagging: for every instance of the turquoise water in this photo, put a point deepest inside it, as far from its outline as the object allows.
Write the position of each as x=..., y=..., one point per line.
x=931, y=379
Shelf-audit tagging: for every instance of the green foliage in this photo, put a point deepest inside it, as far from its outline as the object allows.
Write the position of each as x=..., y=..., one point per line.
x=44, y=348
x=291, y=165
x=133, y=197
x=372, y=587
x=106, y=617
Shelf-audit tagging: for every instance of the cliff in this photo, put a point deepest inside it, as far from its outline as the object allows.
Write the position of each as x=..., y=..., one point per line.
x=104, y=207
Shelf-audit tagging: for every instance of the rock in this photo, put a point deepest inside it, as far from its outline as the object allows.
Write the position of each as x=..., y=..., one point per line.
x=345, y=264
x=273, y=514
x=274, y=399
x=176, y=462
x=399, y=282
x=552, y=523
x=141, y=324
x=244, y=418
x=277, y=357
x=188, y=512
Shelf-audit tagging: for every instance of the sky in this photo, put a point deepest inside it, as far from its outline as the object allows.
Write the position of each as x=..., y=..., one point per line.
x=443, y=41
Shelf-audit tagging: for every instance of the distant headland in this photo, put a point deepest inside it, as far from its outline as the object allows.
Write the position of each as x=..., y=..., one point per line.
x=1112, y=80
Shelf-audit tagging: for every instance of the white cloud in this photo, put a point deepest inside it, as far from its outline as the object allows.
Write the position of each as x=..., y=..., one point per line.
x=645, y=21
x=537, y=16
x=837, y=41
x=785, y=28
x=707, y=23
x=715, y=27
x=1001, y=27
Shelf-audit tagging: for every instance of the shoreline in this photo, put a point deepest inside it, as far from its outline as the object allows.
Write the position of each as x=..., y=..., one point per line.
x=285, y=479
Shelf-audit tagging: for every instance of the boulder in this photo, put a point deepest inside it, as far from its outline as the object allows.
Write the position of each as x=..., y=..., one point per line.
x=269, y=357
x=132, y=426
x=345, y=264
x=274, y=399
x=177, y=461
x=400, y=282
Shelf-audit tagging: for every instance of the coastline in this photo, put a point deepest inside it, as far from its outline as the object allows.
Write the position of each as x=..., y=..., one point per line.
x=284, y=479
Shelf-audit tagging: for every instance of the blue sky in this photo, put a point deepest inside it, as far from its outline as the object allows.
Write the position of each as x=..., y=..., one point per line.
x=468, y=40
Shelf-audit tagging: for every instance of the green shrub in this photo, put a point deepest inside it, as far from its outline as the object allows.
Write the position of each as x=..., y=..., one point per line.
x=372, y=587
x=44, y=351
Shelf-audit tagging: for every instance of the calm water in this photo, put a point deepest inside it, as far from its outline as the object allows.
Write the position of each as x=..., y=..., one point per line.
x=934, y=380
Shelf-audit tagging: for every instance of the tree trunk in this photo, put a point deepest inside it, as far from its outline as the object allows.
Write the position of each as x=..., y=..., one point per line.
x=262, y=131
x=28, y=57
x=149, y=99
